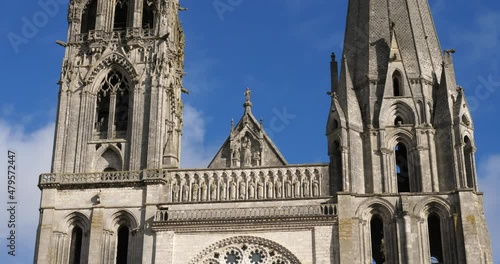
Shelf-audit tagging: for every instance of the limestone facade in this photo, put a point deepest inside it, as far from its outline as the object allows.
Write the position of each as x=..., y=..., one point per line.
x=400, y=186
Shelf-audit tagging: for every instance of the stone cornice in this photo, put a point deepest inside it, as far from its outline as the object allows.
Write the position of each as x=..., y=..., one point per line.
x=242, y=218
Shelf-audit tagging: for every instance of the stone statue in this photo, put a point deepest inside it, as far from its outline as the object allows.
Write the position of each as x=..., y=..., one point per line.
x=256, y=158
x=222, y=195
x=288, y=188
x=279, y=185
x=232, y=190
x=260, y=190
x=248, y=94
x=185, y=192
x=305, y=186
x=251, y=191
x=296, y=188
x=236, y=157
x=315, y=188
x=242, y=190
x=175, y=192
x=213, y=191
x=270, y=187
x=194, y=190
x=203, y=191
x=247, y=152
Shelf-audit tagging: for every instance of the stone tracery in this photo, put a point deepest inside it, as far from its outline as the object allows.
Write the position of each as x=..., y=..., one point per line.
x=245, y=250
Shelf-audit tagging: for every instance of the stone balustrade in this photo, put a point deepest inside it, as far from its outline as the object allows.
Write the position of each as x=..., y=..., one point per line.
x=129, y=33
x=165, y=215
x=47, y=180
x=209, y=185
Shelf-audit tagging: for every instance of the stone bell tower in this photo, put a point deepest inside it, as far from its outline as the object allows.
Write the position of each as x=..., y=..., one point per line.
x=401, y=143
x=119, y=114
x=119, y=106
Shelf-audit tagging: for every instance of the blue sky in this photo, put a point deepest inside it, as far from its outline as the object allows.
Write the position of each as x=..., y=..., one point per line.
x=280, y=49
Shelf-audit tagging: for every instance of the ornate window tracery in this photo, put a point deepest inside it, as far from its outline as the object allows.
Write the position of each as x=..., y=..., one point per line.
x=112, y=106
x=245, y=250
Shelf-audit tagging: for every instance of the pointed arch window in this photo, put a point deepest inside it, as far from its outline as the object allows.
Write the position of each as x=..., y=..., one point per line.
x=337, y=166
x=148, y=14
x=397, y=84
x=75, y=253
x=435, y=239
x=89, y=17
x=377, y=239
x=121, y=15
x=469, y=162
x=122, y=245
x=112, y=106
x=402, y=171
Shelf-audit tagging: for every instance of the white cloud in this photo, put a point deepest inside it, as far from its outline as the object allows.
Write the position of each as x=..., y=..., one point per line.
x=33, y=157
x=194, y=154
x=489, y=172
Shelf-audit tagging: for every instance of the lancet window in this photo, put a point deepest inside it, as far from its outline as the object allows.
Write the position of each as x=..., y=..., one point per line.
x=121, y=15
x=397, y=84
x=112, y=106
x=435, y=239
x=402, y=171
x=122, y=245
x=75, y=253
x=89, y=17
x=148, y=14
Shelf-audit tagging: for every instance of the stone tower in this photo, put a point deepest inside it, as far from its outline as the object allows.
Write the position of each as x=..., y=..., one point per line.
x=119, y=105
x=401, y=143
x=120, y=110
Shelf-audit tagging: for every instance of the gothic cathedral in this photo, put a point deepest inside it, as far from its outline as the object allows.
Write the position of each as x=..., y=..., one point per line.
x=400, y=185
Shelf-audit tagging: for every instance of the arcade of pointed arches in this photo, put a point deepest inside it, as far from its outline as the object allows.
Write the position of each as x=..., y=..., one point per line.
x=379, y=231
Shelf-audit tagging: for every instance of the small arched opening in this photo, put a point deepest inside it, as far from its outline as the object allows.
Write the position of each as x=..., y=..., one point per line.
x=89, y=17
x=435, y=239
x=337, y=165
x=75, y=251
x=148, y=14
x=469, y=166
x=377, y=239
x=335, y=124
x=122, y=245
x=398, y=121
x=397, y=84
x=121, y=15
x=402, y=172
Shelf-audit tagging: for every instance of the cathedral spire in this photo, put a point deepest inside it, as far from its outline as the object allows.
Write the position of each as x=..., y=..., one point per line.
x=368, y=38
